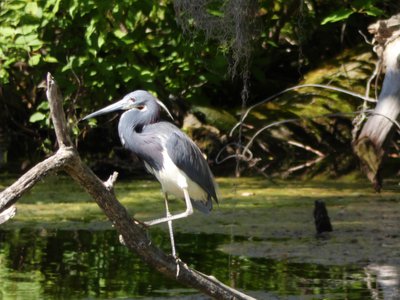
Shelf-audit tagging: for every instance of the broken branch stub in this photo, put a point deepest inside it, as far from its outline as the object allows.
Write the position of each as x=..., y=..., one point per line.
x=54, y=96
x=134, y=235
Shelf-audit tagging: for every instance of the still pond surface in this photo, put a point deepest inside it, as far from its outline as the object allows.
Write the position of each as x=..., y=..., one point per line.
x=53, y=250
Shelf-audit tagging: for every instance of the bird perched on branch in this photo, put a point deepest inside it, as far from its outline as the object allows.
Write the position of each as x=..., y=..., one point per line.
x=169, y=154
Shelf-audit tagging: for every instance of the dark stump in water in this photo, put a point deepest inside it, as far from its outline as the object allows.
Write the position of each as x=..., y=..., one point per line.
x=321, y=218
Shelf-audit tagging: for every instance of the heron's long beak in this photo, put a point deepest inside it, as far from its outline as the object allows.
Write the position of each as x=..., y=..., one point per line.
x=123, y=104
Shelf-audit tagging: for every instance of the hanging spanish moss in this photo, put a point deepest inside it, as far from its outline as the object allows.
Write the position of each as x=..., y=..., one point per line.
x=232, y=24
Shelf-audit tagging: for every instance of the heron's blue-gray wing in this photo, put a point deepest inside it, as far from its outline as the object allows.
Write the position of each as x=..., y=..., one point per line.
x=147, y=146
x=188, y=157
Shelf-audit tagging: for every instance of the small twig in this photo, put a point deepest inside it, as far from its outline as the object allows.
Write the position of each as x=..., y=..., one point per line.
x=307, y=148
x=393, y=121
x=304, y=165
x=294, y=120
x=133, y=235
x=247, y=155
x=365, y=38
x=109, y=184
x=359, y=119
x=328, y=87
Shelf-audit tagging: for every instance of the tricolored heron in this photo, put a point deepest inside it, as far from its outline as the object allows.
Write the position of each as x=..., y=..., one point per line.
x=169, y=154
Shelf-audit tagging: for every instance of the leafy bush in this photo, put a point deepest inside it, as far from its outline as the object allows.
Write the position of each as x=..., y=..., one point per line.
x=98, y=51
x=101, y=50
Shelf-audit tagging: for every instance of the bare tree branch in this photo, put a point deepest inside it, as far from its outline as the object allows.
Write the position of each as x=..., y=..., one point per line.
x=133, y=234
x=57, y=112
x=52, y=164
x=322, y=86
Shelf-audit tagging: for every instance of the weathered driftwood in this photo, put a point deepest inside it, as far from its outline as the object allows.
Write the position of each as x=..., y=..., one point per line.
x=376, y=133
x=133, y=234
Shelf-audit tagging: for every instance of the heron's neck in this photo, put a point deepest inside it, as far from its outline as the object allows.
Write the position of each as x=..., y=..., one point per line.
x=127, y=129
x=151, y=114
x=133, y=121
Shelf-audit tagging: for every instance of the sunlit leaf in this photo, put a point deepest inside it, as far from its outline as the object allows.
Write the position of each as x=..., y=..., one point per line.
x=374, y=11
x=50, y=59
x=337, y=16
x=28, y=40
x=119, y=33
x=4, y=77
x=73, y=8
x=89, y=31
x=34, y=60
x=43, y=105
x=37, y=117
x=33, y=9
x=100, y=40
x=7, y=31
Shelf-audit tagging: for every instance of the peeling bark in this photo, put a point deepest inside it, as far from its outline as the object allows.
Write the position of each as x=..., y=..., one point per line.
x=371, y=143
x=132, y=232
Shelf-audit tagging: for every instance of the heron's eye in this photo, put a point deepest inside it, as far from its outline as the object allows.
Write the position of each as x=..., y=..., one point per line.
x=140, y=107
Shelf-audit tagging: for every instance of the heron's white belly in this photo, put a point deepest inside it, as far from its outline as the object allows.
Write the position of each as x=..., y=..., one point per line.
x=173, y=180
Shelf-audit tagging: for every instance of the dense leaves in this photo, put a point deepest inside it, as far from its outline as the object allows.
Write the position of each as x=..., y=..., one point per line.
x=100, y=50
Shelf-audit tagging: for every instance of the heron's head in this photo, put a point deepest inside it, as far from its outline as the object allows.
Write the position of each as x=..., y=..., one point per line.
x=140, y=101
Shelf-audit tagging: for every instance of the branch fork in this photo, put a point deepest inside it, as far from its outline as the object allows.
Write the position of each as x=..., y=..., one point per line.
x=131, y=231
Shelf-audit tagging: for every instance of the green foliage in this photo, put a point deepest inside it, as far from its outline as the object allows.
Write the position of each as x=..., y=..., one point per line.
x=338, y=15
x=21, y=24
x=125, y=45
x=360, y=6
x=100, y=50
x=41, y=114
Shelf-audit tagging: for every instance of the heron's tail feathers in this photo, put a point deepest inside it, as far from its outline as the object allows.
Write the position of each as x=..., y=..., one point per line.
x=203, y=206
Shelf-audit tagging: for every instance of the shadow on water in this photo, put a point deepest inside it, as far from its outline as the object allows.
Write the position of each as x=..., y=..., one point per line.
x=49, y=264
x=260, y=239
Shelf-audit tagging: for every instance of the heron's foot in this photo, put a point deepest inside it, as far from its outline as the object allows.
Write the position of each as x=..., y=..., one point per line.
x=143, y=224
x=178, y=267
x=147, y=224
x=179, y=264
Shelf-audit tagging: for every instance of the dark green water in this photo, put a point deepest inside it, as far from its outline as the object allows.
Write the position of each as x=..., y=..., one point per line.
x=83, y=264
x=60, y=246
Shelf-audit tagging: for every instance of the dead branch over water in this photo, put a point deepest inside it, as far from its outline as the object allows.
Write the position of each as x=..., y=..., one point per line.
x=133, y=234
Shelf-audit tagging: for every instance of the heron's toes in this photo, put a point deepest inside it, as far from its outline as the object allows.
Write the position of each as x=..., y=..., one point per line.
x=145, y=225
x=178, y=267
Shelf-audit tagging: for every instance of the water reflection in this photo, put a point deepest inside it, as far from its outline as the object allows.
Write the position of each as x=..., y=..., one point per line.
x=43, y=263
x=387, y=278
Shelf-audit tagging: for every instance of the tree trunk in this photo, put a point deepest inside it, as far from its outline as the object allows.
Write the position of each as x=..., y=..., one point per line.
x=132, y=232
x=375, y=135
